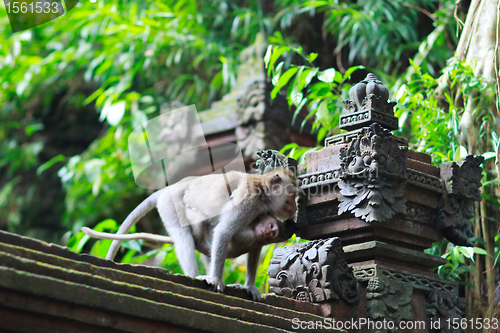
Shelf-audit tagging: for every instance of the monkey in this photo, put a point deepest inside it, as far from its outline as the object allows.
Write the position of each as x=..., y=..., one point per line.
x=263, y=231
x=217, y=207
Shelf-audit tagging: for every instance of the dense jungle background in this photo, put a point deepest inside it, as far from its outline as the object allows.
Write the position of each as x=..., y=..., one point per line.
x=73, y=89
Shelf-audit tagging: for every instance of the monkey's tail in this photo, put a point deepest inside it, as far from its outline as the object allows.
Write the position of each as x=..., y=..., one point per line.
x=139, y=235
x=132, y=219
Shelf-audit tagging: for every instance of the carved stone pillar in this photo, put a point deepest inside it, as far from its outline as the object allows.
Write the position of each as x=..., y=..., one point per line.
x=386, y=204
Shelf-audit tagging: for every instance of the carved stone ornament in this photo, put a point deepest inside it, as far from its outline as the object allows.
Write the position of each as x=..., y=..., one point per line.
x=372, y=175
x=313, y=272
x=271, y=159
x=368, y=104
x=442, y=309
x=258, y=127
x=388, y=301
x=456, y=207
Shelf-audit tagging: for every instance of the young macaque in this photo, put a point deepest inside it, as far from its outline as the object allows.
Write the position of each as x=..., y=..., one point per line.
x=264, y=230
x=217, y=217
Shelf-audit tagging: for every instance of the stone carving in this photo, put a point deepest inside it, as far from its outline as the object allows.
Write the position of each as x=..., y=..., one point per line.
x=462, y=182
x=419, y=214
x=442, y=309
x=318, y=179
x=271, y=159
x=322, y=213
x=424, y=180
x=417, y=281
x=314, y=272
x=258, y=128
x=368, y=104
x=388, y=301
x=372, y=175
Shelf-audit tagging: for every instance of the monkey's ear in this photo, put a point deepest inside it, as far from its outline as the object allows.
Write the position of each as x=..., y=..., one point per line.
x=276, y=179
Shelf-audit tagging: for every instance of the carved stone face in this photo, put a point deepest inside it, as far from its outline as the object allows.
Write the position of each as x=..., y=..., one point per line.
x=345, y=285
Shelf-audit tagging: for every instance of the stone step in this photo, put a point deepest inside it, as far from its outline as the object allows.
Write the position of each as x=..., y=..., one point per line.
x=100, y=299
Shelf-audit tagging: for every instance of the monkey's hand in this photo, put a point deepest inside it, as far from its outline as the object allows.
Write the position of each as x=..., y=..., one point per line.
x=251, y=290
x=215, y=283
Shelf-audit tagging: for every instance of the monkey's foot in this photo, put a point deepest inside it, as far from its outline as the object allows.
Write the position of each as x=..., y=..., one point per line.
x=251, y=290
x=215, y=283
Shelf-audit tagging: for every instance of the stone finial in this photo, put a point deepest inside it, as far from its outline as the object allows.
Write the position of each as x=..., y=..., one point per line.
x=368, y=104
x=270, y=159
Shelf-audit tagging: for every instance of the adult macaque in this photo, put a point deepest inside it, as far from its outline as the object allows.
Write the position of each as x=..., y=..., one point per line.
x=215, y=211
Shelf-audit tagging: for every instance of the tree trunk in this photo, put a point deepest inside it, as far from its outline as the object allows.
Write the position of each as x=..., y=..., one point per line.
x=478, y=46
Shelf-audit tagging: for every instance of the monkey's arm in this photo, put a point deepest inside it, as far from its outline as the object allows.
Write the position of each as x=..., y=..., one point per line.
x=139, y=235
x=252, y=264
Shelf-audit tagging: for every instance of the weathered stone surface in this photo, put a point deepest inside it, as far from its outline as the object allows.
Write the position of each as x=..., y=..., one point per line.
x=313, y=272
x=384, y=252
x=422, y=167
x=327, y=158
x=419, y=156
x=443, y=307
x=157, y=300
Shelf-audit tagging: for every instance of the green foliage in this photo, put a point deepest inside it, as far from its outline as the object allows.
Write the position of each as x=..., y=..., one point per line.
x=383, y=34
x=321, y=92
x=457, y=266
x=434, y=124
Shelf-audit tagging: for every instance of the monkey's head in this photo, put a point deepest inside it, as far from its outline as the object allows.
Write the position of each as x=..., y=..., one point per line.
x=283, y=192
x=267, y=230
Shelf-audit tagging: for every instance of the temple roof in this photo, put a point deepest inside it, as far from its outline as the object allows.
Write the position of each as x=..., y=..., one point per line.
x=45, y=286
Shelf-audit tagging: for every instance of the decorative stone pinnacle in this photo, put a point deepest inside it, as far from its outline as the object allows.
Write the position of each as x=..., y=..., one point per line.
x=368, y=104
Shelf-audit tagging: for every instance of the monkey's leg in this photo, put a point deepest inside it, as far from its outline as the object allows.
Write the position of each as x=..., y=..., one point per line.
x=184, y=249
x=182, y=236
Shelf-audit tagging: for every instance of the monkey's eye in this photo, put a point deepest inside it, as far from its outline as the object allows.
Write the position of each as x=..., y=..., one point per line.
x=274, y=235
x=271, y=225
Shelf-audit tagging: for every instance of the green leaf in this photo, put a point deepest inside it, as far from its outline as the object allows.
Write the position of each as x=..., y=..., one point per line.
x=351, y=70
x=32, y=128
x=479, y=250
x=49, y=163
x=277, y=74
x=134, y=244
x=466, y=251
x=283, y=81
x=277, y=52
x=323, y=115
x=267, y=57
x=460, y=153
x=296, y=95
x=288, y=147
x=312, y=56
x=327, y=75
x=307, y=76
x=489, y=155
x=297, y=110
